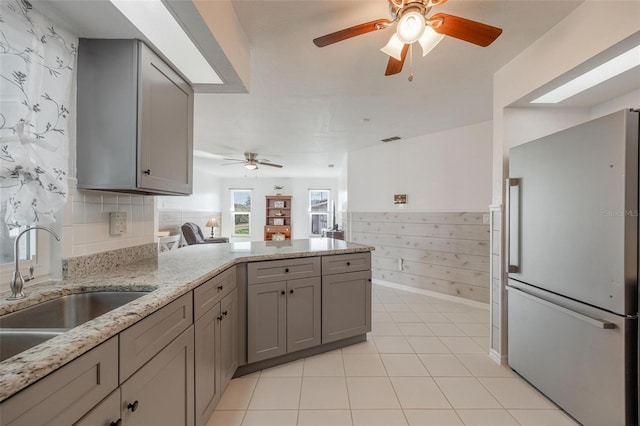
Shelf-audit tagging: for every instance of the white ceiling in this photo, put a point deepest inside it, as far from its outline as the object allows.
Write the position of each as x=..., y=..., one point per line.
x=308, y=106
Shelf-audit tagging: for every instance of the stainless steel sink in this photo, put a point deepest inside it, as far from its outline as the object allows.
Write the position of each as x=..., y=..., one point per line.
x=68, y=311
x=14, y=341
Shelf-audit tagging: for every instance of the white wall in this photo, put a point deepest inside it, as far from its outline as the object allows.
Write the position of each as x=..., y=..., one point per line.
x=206, y=196
x=445, y=171
x=296, y=187
x=570, y=43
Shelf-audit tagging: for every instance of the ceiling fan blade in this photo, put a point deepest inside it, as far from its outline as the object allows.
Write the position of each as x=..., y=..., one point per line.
x=465, y=29
x=367, y=27
x=234, y=159
x=270, y=164
x=394, y=66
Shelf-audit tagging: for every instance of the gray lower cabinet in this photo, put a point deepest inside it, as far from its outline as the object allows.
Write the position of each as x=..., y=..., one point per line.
x=161, y=392
x=283, y=317
x=346, y=305
x=216, y=341
x=303, y=313
x=107, y=413
x=64, y=396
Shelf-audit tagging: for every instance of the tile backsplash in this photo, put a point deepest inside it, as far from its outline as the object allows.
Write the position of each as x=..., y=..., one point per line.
x=86, y=221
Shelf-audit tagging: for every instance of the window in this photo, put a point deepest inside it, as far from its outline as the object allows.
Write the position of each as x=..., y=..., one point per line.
x=241, y=212
x=28, y=244
x=319, y=210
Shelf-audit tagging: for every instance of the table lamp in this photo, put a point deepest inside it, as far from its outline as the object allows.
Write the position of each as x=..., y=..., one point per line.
x=212, y=223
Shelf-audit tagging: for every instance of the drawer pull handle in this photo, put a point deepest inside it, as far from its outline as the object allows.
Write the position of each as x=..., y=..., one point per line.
x=348, y=263
x=116, y=423
x=147, y=172
x=225, y=313
x=133, y=406
x=220, y=287
x=286, y=270
x=291, y=291
x=282, y=292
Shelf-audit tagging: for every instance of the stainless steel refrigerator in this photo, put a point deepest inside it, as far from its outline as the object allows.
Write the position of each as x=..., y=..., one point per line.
x=573, y=268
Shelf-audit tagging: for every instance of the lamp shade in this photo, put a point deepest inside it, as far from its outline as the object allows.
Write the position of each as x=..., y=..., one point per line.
x=394, y=47
x=212, y=222
x=429, y=40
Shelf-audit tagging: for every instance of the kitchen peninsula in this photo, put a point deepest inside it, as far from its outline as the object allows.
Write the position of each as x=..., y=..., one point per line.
x=247, y=305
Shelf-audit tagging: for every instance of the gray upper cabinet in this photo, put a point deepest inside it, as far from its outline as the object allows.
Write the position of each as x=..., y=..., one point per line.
x=135, y=120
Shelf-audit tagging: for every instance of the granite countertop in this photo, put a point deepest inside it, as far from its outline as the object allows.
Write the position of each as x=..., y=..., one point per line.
x=169, y=276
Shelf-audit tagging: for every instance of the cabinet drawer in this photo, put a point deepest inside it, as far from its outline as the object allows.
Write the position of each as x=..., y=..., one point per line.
x=208, y=294
x=65, y=395
x=106, y=413
x=342, y=263
x=283, y=270
x=146, y=338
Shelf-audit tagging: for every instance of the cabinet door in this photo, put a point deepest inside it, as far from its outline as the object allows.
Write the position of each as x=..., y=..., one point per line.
x=207, y=364
x=346, y=305
x=165, y=127
x=228, y=337
x=266, y=321
x=107, y=413
x=303, y=313
x=161, y=392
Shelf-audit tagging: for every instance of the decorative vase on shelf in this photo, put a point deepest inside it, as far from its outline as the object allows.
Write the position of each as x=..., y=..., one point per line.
x=278, y=189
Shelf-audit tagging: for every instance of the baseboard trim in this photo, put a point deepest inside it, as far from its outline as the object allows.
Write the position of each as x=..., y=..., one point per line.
x=497, y=358
x=430, y=293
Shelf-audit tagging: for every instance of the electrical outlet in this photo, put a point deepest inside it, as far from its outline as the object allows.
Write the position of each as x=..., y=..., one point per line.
x=485, y=219
x=117, y=223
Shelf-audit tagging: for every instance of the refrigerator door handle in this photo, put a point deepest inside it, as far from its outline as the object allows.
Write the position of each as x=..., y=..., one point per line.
x=593, y=321
x=513, y=194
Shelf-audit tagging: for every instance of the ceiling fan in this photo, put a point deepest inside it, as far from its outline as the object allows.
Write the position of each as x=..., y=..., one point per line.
x=413, y=25
x=251, y=161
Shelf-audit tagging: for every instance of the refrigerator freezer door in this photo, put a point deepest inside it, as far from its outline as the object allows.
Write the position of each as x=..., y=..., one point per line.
x=582, y=358
x=574, y=220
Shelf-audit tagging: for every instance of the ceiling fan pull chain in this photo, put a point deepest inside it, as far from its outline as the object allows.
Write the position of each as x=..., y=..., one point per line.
x=411, y=62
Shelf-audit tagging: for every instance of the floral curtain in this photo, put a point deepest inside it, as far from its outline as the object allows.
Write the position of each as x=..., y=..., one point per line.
x=37, y=63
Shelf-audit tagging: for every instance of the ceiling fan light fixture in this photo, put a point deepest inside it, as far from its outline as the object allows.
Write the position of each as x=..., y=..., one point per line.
x=251, y=165
x=411, y=26
x=394, y=47
x=429, y=40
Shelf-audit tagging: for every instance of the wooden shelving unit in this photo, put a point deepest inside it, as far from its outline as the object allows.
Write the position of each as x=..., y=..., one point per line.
x=278, y=216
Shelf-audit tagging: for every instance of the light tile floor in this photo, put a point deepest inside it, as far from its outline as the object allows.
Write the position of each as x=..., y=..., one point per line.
x=424, y=363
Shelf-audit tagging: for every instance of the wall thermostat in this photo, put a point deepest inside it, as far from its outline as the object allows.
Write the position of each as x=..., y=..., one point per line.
x=117, y=223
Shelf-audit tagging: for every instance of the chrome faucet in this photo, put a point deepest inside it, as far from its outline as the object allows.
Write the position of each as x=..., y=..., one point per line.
x=17, y=282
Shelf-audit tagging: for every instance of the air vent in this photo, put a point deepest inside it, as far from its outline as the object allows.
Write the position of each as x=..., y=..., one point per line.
x=391, y=139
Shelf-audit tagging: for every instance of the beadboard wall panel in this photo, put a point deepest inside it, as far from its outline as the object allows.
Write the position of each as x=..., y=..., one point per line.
x=443, y=252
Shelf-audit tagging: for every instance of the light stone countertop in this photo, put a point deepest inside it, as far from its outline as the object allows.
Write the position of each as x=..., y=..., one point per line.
x=173, y=274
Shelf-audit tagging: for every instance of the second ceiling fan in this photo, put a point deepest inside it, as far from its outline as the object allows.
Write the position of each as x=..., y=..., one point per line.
x=413, y=25
x=251, y=161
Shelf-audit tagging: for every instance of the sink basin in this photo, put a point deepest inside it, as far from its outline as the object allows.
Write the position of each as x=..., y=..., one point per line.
x=68, y=311
x=14, y=341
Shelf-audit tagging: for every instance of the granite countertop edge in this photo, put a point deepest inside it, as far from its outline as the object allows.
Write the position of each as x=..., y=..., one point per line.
x=167, y=278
